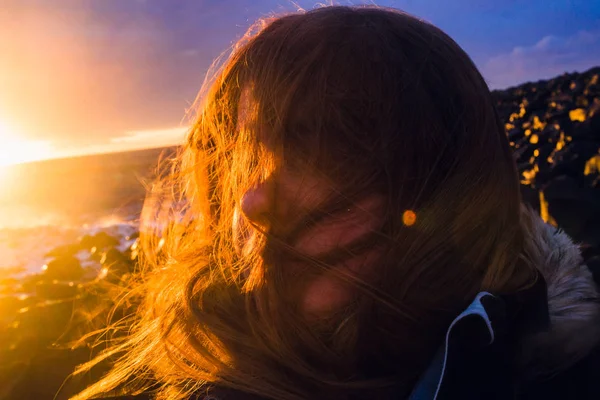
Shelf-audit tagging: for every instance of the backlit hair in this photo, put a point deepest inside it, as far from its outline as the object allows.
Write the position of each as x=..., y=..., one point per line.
x=374, y=101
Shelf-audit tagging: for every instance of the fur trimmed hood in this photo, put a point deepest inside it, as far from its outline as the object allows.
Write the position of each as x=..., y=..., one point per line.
x=573, y=302
x=553, y=325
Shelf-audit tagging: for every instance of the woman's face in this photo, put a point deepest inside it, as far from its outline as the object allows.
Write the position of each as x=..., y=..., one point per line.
x=280, y=205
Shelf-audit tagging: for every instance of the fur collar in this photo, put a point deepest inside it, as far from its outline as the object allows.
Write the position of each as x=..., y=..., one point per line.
x=573, y=302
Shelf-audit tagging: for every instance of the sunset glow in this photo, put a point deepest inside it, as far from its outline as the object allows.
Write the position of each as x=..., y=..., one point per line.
x=14, y=150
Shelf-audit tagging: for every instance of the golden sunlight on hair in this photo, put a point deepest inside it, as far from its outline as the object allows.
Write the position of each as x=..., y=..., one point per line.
x=14, y=150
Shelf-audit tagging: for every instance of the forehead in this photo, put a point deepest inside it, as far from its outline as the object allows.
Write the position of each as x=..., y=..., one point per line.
x=247, y=109
x=248, y=118
x=303, y=158
x=293, y=133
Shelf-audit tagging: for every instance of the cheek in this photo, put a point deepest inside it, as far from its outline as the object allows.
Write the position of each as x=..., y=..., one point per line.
x=328, y=292
x=325, y=295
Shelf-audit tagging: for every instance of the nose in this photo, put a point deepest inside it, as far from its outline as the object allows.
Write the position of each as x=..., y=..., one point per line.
x=258, y=201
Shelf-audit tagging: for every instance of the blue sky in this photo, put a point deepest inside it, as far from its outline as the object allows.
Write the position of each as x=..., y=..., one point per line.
x=100, y=75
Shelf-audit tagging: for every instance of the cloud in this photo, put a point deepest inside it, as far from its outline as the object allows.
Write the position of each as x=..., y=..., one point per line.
x=550, y=56
x=83, y=72
x=152, y=138
x=132, y=140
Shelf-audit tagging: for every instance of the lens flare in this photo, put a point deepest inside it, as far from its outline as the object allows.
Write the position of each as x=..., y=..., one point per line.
x=409, y=217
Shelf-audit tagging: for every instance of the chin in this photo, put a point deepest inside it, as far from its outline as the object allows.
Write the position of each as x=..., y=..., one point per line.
x=325, y=296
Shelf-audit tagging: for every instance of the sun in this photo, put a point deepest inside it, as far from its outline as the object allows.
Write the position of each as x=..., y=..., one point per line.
x=15, y=151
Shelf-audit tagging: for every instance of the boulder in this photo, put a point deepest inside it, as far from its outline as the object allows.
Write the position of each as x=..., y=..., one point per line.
x=572, y=159
x=66, y=268
x=64, y=251
x=576, y=209
x=594, y=265
x=101, y=241
x=56, y=290
x=116, y=263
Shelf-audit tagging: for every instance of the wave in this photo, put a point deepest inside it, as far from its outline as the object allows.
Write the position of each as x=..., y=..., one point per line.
x=24, y=249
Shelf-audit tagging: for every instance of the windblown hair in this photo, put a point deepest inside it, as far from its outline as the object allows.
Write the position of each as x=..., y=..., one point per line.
x=374, y=101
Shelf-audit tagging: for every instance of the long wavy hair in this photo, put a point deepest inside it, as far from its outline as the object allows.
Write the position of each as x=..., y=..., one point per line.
x=374, y=101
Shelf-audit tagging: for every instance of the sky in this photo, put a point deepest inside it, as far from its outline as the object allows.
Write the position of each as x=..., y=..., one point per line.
x=90, y=76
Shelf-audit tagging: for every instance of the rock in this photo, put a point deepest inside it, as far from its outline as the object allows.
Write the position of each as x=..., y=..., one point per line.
x=531, y=196
x=63, y=251
x=588, y=251
x=594, y=265
x=29, y=282
x=66, y=268
x=46, y=320
x=572, y=159
x=524, y=152
x=56, y=290
x=9, y=286
x=133, y=236
x=100, y=241
x=542, y=161
x=11, y=374
x=90, y=273
x=588, y=129
x=576, y=209
x=113, y=256
x=10, y=305
x=116, y=263
x=95, y=254
x=576, y=87
x=538, y=102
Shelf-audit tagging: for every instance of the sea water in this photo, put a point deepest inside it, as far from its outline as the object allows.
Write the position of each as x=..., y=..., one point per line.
x=51, y=203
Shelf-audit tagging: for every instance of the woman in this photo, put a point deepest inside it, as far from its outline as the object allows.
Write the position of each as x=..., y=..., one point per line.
x=347, y=223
